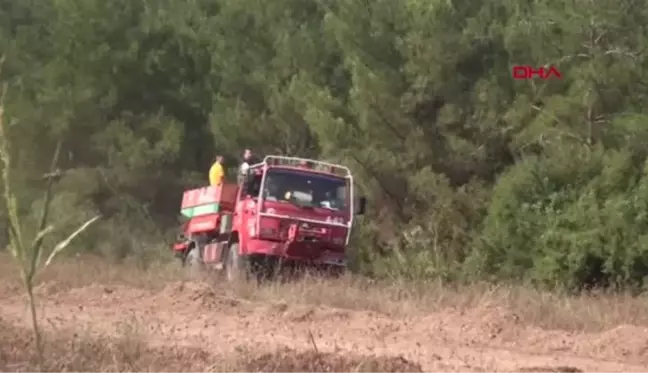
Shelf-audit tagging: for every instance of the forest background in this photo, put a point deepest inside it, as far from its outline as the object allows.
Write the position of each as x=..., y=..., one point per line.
x=470, y=174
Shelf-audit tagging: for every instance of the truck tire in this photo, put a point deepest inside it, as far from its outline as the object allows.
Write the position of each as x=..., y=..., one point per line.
x=236, y=266
x=193, y=262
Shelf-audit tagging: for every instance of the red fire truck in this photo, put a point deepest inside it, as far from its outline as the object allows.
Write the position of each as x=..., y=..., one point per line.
x=285, y=210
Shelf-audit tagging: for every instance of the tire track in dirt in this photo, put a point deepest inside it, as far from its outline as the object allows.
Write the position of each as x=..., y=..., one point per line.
x=192, y=315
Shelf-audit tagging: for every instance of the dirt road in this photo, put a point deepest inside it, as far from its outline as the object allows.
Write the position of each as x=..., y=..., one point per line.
x=191, y=314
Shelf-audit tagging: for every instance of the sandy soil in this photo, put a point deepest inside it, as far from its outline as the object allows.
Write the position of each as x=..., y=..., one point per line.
x=191, y=314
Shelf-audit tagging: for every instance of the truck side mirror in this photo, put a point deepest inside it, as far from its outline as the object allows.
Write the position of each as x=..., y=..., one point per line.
x=361, y=205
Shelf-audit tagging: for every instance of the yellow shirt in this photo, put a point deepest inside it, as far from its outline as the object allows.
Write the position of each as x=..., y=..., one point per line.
x=216, y=174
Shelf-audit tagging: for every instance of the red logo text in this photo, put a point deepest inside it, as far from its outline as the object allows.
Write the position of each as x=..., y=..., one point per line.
x=524, y=72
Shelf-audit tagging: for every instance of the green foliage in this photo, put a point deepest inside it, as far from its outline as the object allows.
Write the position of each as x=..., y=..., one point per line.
x=568, y=224
x=470, y=173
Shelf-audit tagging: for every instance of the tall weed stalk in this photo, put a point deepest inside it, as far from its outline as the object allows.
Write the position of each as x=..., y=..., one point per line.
x=28, y=252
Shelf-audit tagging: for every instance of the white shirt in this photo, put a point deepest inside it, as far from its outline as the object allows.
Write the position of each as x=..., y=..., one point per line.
x=245, y=167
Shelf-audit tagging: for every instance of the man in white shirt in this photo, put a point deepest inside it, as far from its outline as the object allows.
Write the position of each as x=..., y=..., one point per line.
x=248, y=160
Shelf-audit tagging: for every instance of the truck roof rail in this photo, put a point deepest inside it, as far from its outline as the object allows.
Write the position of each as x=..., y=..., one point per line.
x=280, y=160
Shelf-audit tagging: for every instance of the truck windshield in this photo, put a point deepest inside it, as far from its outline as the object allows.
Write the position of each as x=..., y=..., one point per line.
x=305, y=189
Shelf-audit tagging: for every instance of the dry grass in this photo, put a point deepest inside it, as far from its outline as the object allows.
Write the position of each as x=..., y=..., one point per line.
x=129, y=352
x=552, y=311
x=69, y=350
x=583, y=313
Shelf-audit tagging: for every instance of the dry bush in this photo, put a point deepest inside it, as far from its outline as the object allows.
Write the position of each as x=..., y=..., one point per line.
x=560, y=369
x=288, y=360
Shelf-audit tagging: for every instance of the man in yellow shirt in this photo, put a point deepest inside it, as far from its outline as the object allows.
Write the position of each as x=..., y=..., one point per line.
x=216, y=172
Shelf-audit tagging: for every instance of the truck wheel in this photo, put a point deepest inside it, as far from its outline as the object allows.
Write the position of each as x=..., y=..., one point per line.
x=236, y=266
x=193, y=262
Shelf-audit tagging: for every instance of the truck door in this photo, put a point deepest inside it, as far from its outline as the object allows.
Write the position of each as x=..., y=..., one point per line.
x=246, y=210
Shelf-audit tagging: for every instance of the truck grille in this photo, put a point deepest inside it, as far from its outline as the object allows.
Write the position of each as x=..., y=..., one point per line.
x=310, y=234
